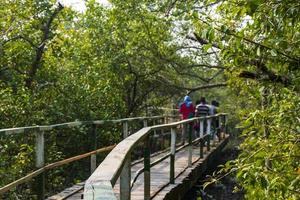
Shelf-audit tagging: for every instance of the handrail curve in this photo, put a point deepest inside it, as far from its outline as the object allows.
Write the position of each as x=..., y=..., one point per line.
x=105, y=176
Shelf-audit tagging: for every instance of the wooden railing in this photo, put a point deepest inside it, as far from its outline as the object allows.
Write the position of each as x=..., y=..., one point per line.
x=40, y=132
x=117, y=164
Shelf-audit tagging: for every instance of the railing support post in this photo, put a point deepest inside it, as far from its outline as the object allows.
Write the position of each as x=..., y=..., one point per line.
x=166, y=119
x=183, y=134
x=201, y=127
x=213, y=130
x=201, y=148
x=208, y=126
x=208, y=143
x=190, y=147
x=93, y=147
x=125, y=129
x=172, y=157
x=225, y=124
x=125, y=176
x=40, y=161
x=125, y=179
x=147, y=168
x=219, y=122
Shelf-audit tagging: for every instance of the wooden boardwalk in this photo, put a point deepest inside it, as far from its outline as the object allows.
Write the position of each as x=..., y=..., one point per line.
x=160, y=175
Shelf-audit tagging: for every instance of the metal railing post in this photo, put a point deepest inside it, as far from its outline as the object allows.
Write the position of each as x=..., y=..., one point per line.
x=147, y=168
x=172, y=156
x=40, y=162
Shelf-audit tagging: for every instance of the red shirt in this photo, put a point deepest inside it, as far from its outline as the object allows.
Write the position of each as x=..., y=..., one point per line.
x=187, y=112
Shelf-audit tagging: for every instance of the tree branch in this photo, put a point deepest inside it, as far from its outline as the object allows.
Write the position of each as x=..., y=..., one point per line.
x=202, y=41
x=208, y=5
x=206, y=87
x=22, y=38
x=171, y=6
x=41, y=47
x=231, y=33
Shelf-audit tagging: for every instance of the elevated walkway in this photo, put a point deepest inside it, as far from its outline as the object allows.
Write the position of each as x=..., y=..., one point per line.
x=160, y=175
x=168, y=174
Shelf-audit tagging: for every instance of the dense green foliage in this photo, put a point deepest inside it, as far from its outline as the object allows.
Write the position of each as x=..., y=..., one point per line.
x=258, y=44
x=59, y=65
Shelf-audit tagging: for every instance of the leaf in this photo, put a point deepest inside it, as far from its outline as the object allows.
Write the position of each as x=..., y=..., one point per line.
x=258, y=51
x=206, y=47
x=273, y=52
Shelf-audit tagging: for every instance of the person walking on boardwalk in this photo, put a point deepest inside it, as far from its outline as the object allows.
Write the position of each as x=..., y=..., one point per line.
x=202, y=110
x=187, y=108
x=214, y=121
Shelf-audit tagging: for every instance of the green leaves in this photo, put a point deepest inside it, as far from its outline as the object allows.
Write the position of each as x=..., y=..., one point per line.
x=274, y=52
x=258, y=51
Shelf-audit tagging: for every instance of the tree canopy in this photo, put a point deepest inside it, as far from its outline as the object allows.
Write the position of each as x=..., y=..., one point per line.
x=115, y=61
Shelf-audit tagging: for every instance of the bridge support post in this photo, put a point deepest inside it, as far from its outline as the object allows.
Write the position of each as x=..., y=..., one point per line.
x=40, y=161
x=147, y=168
x=125, y=179
x=190, y=147
x=172, y=156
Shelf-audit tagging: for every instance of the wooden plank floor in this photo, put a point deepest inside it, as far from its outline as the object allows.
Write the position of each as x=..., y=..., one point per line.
x=159, y=177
